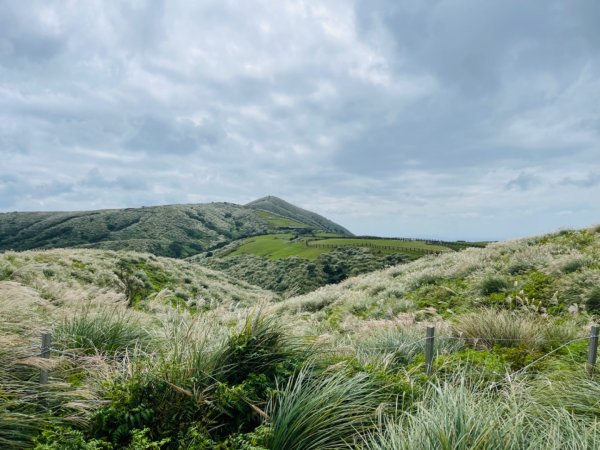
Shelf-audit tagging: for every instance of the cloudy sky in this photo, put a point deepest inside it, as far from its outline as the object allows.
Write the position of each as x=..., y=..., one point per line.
x=429, y=118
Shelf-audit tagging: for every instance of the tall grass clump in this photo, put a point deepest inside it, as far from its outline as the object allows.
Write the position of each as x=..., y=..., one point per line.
x=490, y=327
x=322, y=412
x=493, y=284
x=26, y=407
x=395, y=347
x=453, y=416
x=259, y=346
x=458, y=415
x=106, y=332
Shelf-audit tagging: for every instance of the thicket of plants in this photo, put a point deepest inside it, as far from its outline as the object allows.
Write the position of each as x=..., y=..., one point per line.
x=342, y=367
x=187, y=384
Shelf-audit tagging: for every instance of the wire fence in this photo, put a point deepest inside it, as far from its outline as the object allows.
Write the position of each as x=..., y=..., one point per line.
x=430, y=345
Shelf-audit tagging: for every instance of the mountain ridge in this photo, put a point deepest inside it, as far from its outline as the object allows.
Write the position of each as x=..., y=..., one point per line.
x=178, y=230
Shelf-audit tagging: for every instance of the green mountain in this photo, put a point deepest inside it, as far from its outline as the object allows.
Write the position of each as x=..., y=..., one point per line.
x=170, y=230
x=284, y=209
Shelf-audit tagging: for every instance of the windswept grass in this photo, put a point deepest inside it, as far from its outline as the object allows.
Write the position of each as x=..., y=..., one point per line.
x=322, y=412
x=492, y=327
x=109, y=332
x=458, y=416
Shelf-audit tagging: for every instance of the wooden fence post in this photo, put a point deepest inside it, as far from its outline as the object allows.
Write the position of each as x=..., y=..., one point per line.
x=46, y=345
x=429, y=341
x=592, y=349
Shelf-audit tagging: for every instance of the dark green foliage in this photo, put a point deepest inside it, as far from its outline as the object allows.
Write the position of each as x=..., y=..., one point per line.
x=492, y=285
x=592, y=302
x=63, y=438
x=539, y=286
x=295, y=275
x=218, y=392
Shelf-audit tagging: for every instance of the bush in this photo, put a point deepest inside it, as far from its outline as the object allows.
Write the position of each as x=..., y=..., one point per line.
x=493, y=285
x=592, y=303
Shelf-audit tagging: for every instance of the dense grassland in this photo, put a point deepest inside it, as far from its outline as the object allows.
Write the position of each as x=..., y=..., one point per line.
x=299, y=275
x=341, y=367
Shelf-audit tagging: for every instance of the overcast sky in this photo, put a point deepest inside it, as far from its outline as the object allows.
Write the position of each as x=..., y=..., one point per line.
x=428, y=118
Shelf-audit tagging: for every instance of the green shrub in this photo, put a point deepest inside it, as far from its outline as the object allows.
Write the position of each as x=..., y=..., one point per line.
x=63, y=438
x=492, y=285
x=592, y=303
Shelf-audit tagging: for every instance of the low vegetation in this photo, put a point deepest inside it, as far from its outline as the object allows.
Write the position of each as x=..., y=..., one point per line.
x=341, y=367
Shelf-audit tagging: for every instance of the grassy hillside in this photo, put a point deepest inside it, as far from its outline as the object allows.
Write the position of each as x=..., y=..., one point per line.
x=550, y=274
x=136, y=279
x=171, y=230
x=134, y=365
x=282, y=208
x=292, y=264
x=299, y=274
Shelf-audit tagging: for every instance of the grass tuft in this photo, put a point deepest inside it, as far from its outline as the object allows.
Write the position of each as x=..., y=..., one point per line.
x=105, y=332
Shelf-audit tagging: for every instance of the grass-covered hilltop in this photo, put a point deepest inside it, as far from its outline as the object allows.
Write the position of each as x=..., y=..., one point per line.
x=150, y=352
x=171, y=230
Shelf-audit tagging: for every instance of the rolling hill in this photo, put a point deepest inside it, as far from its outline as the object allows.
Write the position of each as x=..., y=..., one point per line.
x=170, y=230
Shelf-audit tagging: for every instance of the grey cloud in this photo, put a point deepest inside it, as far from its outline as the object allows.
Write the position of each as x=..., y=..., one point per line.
x=589, y=181
x=523, y=182
x=26, y=35
x=154, y=134
x=404, y=109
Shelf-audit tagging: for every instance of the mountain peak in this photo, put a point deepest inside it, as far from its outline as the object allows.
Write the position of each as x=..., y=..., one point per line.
x=282, y=208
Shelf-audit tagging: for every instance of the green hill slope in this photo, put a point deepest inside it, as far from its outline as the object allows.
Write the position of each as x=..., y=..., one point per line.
x=298, y=263
x=171, y=230
x=68, y=278
x=284, y=209
x=552, y=274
